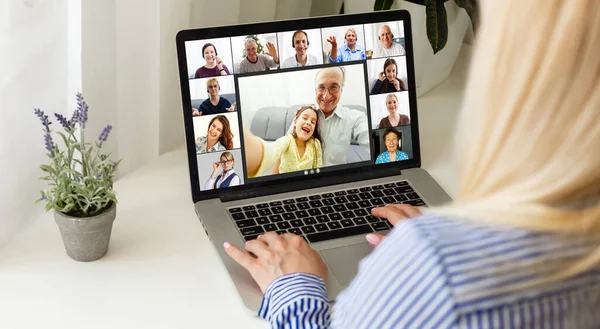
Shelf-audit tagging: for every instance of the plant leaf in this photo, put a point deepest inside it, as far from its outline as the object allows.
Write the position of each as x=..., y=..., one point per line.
x=437, y=24
x=382, y=4
x=472, y=10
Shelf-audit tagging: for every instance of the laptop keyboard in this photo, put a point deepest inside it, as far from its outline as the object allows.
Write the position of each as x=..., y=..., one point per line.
x=325, y=216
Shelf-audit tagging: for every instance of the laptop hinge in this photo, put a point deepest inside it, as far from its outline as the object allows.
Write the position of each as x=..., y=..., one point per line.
x=272, y=188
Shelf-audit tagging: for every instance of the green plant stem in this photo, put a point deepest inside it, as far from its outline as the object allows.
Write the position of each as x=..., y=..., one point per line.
x=82, y=151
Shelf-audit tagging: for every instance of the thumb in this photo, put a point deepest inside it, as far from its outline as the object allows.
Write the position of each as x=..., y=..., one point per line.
x=374, y=239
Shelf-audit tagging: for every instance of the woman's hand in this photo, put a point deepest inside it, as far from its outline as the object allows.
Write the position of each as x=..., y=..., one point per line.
x=397, y=84
x=277, y=255
x=216, y=166
x=394, y=213
x=332, y=41
x=381, y=76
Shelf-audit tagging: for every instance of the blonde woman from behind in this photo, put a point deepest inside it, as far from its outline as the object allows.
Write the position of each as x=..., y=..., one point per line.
x=520, y=245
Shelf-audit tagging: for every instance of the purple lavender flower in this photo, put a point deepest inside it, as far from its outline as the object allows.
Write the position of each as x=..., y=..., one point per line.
x=63, y=121
x=47, y=137
x=81, y=114
x=43, y=197
x=77, y=180
x=98, y=176
x=104, y=135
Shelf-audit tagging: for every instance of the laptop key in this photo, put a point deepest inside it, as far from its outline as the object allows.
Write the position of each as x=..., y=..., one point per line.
x=251, y=214
x=339, y=207
x=380, y=226
x=352, y=197
x=280, y=232
x=335, y=216
x=352, y=205
x=416, y=203
x=265, y=212
x=262, y=220
x=252, y=230
x=359, y=220
x=328, y=202
x=289, y=201
x=245, y=223
x=301, y=214
x=389, y=192
x=321, y=227
x=314, y=197
x=295, y=230
x=404, y=189
x=361, y=212
x=284, y=225
x=315, y=203
x=246, y=208
x=234, y=210
x=278, y=210
x=322, y=219
x=251, y=237
x=372, y=219
x=327, y=210
x=310, y=221
x=377, y=202
x=347, y=222
x=290, y=207
x=297, y=223
x=338, y=193
x=389, y=185
x=353, y=191
x=364, y=203
x=334, y=225
x=262, y=205
x=365, y=196
x=270, y=227
x=400, y=197
x=238, y=216
x=402, y=183
x=388, y=199
x=303, y=205
x=314, y=212
x=378, y=187
x=412, y=196
x=275, y=218
x=327, y=195
x=308, y=229
x=335, y=234
x=348, y=214
x=377, y=194
x=340, y=199
x=365, y=189
x=302, y=199
x=275, y=203
x=288, y=216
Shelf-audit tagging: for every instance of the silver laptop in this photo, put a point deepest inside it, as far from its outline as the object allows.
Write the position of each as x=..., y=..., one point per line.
x=302, y=126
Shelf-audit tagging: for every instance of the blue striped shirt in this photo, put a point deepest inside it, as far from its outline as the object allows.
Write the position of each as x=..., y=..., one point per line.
x=440, y=273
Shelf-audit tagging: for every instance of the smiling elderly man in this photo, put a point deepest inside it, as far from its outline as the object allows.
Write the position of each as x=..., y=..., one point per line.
x=386, y=47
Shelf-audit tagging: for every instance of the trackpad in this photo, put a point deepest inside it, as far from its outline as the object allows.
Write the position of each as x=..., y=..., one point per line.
x=343, y=261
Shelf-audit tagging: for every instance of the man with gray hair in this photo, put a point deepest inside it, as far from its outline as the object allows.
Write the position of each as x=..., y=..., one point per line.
x=255, y=62
x=338, y=125
x=386, y=47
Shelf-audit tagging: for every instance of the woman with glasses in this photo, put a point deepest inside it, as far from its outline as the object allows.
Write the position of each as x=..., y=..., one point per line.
x=225, y=179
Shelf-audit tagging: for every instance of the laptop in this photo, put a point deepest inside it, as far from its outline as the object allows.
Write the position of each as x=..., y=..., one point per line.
x=302, y=126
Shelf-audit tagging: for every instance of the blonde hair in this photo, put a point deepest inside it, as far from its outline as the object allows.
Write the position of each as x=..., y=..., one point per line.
x=211, y=80
x=529, y=131
x=389, y=96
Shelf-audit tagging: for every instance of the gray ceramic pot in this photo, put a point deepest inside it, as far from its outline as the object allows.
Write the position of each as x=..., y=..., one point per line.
x=86, y=239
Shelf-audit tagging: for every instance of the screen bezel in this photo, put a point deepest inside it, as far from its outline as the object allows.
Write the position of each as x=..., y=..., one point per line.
x=303, y=181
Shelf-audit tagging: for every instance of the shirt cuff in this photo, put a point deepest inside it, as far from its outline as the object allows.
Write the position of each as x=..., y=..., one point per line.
x=289, y=288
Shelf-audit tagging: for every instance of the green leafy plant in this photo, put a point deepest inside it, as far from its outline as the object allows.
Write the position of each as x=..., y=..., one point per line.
x=80, y=177
x=259, y=46
x=436, y=18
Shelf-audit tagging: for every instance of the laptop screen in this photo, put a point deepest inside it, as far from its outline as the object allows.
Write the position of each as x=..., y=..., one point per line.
x=274, y=103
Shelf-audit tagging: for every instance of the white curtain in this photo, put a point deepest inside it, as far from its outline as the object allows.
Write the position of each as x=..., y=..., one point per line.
x=121, y=55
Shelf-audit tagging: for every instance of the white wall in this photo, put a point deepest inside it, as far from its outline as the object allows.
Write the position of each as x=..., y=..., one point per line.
x=34, y=65
x=293, y=88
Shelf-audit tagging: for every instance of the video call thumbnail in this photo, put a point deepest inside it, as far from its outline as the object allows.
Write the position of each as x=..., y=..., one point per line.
x=215, y=133
x=279, y=112
x=220, y=169
x=390, y=110
x=209, y=58
x=392, y=144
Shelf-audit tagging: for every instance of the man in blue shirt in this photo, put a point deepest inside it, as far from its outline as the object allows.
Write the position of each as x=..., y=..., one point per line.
x=349, y=51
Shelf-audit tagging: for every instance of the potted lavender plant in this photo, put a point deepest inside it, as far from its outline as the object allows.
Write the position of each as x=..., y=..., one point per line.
x=80, y=185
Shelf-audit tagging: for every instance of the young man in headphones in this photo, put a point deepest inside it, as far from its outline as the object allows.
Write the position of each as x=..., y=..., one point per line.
x=214, y=104
x=300, y=43
x=349, y=51
x=386, y=47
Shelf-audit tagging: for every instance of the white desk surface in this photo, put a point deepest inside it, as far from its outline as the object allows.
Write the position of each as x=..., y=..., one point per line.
x=161, y=270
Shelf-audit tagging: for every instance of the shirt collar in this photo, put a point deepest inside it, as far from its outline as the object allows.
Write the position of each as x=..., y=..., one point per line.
x=339, y=111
